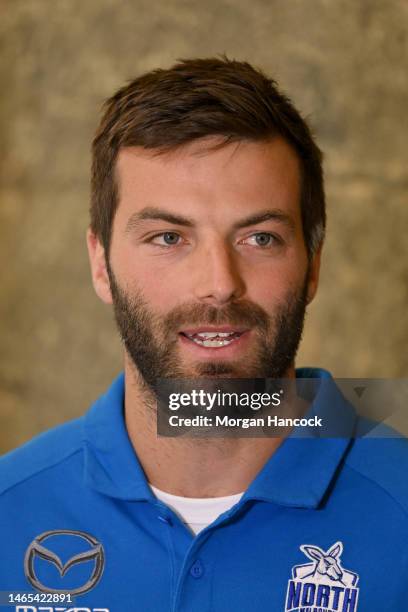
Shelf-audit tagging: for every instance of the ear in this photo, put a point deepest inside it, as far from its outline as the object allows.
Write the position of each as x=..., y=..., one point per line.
x=100, y=277
x=314, y=272
x=336, y=550
x=313, y=552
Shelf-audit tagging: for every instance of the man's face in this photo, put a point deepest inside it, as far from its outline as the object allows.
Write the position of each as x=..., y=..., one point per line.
x=208, y=270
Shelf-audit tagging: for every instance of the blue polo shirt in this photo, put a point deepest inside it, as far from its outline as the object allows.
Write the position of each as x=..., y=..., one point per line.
x=322, y=527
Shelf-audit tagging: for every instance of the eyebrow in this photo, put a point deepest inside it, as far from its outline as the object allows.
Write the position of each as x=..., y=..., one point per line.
x=151, y=213
x=267, y=215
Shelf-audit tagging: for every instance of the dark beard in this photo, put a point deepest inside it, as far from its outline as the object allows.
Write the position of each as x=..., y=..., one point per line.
x=152, y=342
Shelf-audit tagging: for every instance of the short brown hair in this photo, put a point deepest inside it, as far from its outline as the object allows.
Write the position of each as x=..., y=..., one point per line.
x=166, y=108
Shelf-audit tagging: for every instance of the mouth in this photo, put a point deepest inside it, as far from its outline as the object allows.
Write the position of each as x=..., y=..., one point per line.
x=213, y=338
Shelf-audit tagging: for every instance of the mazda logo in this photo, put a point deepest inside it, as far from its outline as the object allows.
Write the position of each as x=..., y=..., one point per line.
x=37, y=548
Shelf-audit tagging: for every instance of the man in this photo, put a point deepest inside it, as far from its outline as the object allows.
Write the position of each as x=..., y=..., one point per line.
x=207, y=224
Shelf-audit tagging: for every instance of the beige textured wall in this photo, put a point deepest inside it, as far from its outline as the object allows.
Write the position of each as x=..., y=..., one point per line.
x=344, y=64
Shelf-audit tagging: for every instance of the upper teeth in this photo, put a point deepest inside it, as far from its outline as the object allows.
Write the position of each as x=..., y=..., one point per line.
x=208, y=335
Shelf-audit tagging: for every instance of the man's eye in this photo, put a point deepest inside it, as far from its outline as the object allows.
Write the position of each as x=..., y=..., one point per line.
x=166, y=239
x=262, y=239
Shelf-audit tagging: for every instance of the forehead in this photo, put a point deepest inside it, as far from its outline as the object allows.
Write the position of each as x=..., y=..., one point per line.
x=238, y=177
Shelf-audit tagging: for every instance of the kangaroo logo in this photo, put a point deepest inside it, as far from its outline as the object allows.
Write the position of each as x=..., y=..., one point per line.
x=322, y=585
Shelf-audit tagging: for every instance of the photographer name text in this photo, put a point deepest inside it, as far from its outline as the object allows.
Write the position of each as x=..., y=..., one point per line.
x=242, y=422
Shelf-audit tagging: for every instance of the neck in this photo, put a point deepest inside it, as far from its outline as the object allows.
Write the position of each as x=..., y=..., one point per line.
x=195, y=467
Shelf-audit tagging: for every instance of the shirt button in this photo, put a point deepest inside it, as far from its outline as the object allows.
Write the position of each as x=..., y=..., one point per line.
x=197, y=569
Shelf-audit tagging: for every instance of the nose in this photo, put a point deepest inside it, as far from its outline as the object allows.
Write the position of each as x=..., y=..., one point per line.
x=217, y=277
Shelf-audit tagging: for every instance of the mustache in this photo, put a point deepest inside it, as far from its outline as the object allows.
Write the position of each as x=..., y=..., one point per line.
x=243, y=313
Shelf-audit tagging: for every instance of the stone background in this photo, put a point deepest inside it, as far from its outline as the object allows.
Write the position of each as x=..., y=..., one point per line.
x=344, y=63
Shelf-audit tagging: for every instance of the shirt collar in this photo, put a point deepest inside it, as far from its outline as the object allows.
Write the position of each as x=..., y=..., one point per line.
x=111, y=464
x=300, y=471
x=298, y=474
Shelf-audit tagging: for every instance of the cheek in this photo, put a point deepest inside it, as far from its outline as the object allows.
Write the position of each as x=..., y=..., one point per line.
x=274, y=287
x=267, y=296
x=161, y=291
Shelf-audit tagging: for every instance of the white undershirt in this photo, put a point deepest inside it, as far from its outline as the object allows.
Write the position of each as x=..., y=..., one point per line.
x=197, y=512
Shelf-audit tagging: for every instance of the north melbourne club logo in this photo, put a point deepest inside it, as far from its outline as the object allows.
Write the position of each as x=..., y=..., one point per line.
x=322, y=585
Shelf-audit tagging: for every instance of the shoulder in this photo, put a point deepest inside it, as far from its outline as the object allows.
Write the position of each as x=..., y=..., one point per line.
x=45, y=451
x=384, y=462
